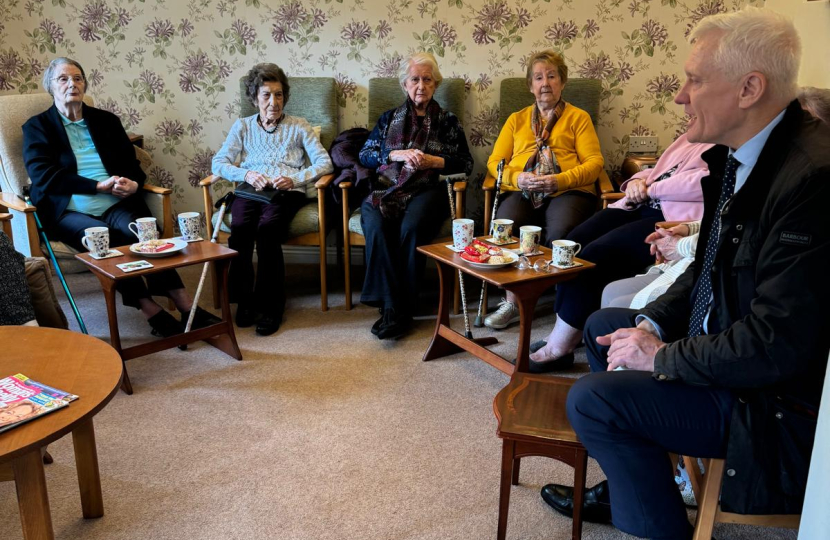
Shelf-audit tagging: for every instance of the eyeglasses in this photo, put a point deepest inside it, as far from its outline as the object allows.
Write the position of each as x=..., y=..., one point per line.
x=541, y=265
x=63, y=80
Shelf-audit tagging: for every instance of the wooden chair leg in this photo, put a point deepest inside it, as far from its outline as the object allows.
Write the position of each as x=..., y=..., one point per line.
x=707, y=505
x=580, y=471
x=695, y=476
x=507, y=464
x=514, y=480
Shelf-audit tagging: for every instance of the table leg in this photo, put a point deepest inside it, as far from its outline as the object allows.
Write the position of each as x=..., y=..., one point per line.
x=32, y=497
x=580, y=467
x=89, y=478
x=507, y=463
x=440, y=346
x=108, y=286
x=225, y=342
x=527, y=295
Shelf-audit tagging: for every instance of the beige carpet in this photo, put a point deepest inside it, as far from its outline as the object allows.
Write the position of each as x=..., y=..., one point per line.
x=321, y=432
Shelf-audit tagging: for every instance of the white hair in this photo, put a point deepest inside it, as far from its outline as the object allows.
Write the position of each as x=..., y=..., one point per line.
x=816, y=101
x=759, y=40
x=418, y=59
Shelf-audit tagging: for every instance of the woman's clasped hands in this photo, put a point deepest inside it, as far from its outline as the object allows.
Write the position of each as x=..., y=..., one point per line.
x=118, y=186
x=544, y=183
x=260, y=181
x=416, y=159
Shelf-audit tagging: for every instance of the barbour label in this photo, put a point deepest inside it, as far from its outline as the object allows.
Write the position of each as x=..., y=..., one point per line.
x=795, y=239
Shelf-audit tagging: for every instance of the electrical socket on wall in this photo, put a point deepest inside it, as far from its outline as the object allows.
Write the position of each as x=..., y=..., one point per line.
x=642, y=145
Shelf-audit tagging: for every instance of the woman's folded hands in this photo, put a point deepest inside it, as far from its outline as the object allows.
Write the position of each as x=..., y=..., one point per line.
x=544, y=183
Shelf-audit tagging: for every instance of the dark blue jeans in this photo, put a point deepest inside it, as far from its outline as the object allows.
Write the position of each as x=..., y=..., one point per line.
x=630, y=421
x=613, y=240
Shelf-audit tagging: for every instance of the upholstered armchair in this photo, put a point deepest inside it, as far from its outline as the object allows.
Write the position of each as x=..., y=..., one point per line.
x=14, y=112
x=582, y=93
x=384, y=94
x=315, y=99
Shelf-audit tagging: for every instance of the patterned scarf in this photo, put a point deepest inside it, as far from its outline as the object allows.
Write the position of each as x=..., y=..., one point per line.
x=543, y=161
x=397, y=182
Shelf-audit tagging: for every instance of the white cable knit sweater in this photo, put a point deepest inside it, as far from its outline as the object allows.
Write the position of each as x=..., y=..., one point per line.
x=248, y=147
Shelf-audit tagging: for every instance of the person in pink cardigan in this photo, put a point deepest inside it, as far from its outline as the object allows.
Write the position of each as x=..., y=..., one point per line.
x=613, y=240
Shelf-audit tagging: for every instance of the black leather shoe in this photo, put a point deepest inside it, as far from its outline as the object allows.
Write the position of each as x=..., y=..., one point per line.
x=560, y=364
x=378, y=323
x=596, y=507
x=394, y=326
x=202, y=319
x=165, y=325
x=268, y=324
x=245, y=316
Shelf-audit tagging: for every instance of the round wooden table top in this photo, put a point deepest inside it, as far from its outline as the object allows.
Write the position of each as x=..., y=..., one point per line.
x=69, y=361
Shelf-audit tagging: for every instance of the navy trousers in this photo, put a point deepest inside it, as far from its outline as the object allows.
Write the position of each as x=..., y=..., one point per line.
x=394, y=268
x=629, y=422
x=70, y=227
x=613, y=239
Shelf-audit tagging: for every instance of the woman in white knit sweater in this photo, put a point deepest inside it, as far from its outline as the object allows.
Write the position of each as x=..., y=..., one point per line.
x=266, y=151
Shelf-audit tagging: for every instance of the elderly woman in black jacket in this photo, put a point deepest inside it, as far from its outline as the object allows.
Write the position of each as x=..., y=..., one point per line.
x=85, y=174
x=410, y=147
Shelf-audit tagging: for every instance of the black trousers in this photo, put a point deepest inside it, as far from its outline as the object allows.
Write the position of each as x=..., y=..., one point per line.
x=613, y=240
x=70, y=227
x=629, y=422
x=265, y=226
x=394, y=268
x=557, y=216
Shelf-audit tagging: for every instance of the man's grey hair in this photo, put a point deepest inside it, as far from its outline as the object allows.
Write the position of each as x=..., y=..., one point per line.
x=419, y=59
x=759, y=40
x=816, y=101
x=49, y=73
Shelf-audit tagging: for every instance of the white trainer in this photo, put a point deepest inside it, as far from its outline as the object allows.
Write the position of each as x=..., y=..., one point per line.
x=504, y=316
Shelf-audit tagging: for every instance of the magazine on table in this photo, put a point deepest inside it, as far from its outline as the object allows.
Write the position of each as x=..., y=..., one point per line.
x=22, y=399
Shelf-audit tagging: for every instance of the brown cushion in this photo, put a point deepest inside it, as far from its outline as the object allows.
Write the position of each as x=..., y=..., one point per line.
x=47, y=310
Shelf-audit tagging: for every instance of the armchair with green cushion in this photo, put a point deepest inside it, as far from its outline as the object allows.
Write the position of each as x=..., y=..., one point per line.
x=385, y=93
x=14, y=112
x=582, y=93
x=315, y=99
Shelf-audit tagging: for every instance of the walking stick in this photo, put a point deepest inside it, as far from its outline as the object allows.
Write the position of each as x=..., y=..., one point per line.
x=223, y=204
x=467, y=333
x=478, y=322
x=54, y=260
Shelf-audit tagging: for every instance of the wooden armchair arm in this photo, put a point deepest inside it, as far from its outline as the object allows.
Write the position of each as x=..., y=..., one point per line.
x=605, y=185
x=489, y=183
x=157, y=189
x=10, y=201
x=324, y=181
x=668, y=224
x=210, y=180
x=458, y=187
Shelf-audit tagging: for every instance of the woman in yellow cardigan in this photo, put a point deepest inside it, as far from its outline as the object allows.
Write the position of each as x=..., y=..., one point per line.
x=552, y=159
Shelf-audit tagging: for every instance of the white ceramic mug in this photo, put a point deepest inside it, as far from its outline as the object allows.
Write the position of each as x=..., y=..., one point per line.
x=564, y=252
x=97, y=240
x=462, y=233
x=502, y=230
x=190, y=224
x=529, y=236
x=145, y=229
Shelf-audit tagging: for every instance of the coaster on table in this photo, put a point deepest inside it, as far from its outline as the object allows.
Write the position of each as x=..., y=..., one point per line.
x=199, y=239
x=110, y=254
x=133, y=266
x=492, y=240
x=572, y=265
x=453, y=248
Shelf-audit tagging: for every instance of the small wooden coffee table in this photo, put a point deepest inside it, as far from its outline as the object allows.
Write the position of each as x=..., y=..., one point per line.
x=220, y=335
x=75, y=363
x=526, y=285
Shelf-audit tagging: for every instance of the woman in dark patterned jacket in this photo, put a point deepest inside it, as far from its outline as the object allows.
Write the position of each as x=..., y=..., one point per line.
x=410, y=147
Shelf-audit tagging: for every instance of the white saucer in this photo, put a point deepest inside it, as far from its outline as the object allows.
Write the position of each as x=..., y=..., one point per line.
x=512, y=256
x=178, y=245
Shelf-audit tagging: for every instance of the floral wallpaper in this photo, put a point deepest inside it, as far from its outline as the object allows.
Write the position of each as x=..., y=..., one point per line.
x=169, y=68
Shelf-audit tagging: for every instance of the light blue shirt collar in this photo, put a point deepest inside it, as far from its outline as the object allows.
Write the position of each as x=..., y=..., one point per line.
x=749, y=152
x=67, y=122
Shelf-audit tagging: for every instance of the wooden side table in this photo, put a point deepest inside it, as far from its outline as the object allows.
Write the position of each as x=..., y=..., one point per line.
x=526, y=285
x=220, y=335
x=75, y=363
x=532, y=422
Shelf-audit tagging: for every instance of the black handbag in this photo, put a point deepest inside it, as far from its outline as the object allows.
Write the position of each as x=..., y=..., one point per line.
x=266, y=195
